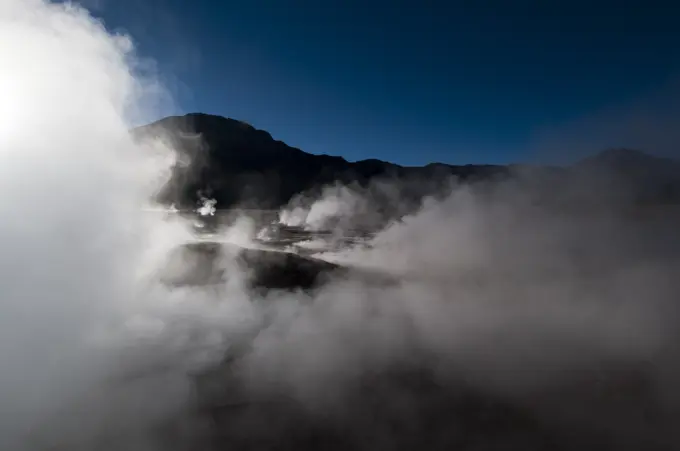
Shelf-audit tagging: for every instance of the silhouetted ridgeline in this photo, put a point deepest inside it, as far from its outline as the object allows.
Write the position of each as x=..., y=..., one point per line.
x=238, y=164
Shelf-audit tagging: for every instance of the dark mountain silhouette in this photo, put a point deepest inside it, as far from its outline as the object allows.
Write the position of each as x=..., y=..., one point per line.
x=237, y=164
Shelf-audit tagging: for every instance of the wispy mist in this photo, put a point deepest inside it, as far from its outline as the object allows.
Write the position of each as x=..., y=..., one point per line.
x=648, y=122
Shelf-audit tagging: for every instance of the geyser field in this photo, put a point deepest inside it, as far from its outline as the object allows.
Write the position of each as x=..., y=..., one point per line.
x=480, y=320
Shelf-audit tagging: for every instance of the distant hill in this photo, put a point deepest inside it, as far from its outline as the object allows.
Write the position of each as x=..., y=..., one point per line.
x=237, y=164
x=631, y=175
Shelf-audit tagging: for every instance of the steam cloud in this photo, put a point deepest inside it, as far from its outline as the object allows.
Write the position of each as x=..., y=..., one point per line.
x=335, y=204
x=487, y=289
x=79, y=305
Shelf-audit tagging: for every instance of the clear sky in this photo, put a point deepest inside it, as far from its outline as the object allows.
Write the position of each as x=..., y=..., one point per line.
x=407, y=81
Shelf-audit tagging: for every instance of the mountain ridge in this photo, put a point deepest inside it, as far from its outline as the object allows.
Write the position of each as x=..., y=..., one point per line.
x=238, y=164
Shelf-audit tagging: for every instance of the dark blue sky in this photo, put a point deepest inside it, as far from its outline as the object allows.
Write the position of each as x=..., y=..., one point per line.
x=410, y=82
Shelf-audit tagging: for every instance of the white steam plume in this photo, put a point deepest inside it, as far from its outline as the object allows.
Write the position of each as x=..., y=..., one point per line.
x=79, y=250
x=336, y=208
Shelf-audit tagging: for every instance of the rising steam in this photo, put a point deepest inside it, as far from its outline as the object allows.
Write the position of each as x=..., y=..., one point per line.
x=483, y=287
x=78, y=247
